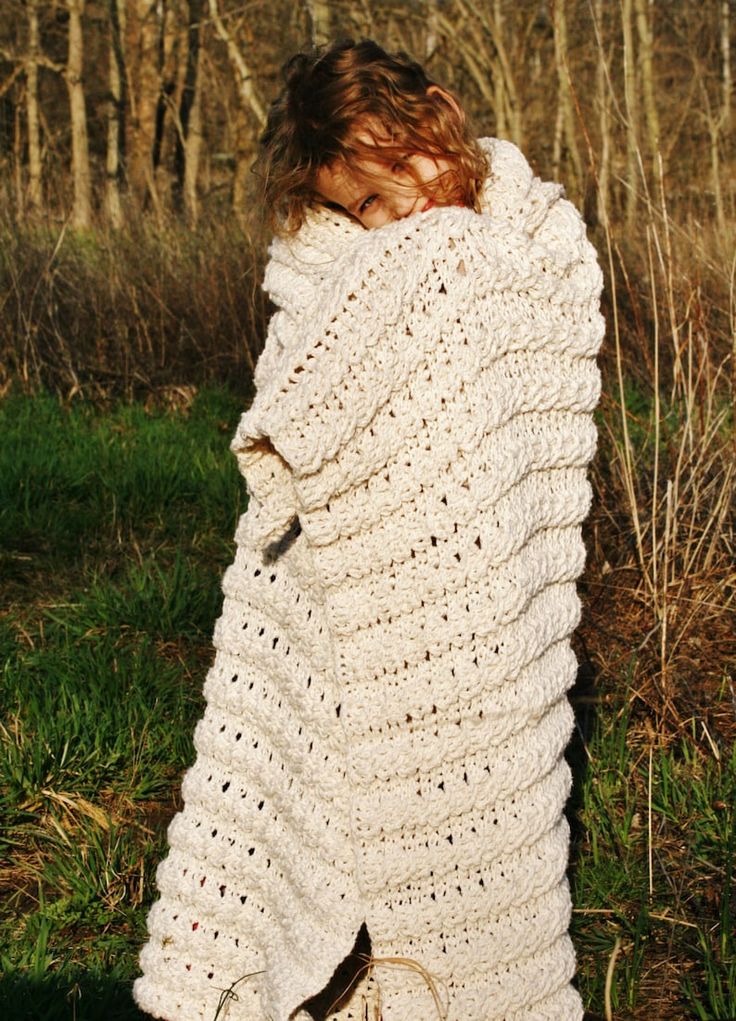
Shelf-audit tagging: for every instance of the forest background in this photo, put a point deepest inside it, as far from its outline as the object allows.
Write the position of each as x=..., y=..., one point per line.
x=131, y=253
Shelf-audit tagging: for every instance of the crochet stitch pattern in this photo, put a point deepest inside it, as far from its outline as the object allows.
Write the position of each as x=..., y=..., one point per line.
x=387, y=711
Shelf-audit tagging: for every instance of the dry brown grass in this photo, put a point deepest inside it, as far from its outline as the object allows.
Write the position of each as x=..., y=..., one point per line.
x=662, y=570
x=128, y=313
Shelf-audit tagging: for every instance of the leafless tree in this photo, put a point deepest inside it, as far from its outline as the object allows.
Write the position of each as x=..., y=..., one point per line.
x=634, y=85
x=32, y=110
x=319, y=21
x=143, y=40
x=726, y=79
x=565, y=129
x=115, y=157
x=251, y=107
x=189, y=133
x=81, y=180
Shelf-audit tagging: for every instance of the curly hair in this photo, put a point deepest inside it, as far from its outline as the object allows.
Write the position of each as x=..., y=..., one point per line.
x=329, y=93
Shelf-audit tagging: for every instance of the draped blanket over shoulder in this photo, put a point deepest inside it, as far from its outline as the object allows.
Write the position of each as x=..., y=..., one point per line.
x=386, y=712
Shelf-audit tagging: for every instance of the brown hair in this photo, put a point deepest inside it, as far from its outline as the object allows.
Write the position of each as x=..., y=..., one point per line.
x=332, y=90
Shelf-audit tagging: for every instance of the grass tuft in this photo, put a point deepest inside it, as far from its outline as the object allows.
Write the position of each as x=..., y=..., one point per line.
x=115, y=526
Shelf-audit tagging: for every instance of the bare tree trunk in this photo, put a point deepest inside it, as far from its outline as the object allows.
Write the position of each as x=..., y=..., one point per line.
x=500, y=99
x=646, y=61
x=115, y=115
x=188, y=96
x=566, y=117
x=557, y=139
x=487, y=52
x=244, y=156
x=431, y=40
x=20, y=203
x=715, y=168
x=250, y=108
x=248, y=95
x=193, y=151
x=630, y=99
x=319, y=21
x=604, y=117
x=501, y=66
x=713, y=121
x=477, y=67
x=143, y=38
x=726, y=79
x=35, y=197
x=174, y=43
x=189, y=135
x=82, y=209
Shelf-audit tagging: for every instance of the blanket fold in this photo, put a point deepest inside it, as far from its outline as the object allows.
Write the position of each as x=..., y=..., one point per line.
x=386, y=714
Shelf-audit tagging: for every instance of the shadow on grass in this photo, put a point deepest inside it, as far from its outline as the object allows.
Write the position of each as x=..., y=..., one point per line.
x=70, y=995
x=584, y=699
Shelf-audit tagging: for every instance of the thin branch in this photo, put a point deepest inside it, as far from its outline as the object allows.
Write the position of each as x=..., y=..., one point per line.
x=237, y=59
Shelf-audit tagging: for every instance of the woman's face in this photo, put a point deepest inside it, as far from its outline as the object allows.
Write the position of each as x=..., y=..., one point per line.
x=377, y=192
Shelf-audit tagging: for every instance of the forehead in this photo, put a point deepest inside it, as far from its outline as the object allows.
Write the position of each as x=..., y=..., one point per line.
x=346, y=185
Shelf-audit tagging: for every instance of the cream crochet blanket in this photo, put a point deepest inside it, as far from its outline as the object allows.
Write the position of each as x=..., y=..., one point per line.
x=387, y=714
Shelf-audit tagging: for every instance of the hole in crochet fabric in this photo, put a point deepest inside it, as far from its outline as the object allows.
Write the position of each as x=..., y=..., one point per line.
x=345, y=979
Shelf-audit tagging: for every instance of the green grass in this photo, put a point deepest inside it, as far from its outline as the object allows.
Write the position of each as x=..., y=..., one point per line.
x=71, y=478
x=115, y=526
x=653, y=873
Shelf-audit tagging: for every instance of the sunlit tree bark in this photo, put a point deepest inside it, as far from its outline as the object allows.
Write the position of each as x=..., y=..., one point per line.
x=194, y=151
x=247, y=90
x=81, y=181
x=726, y=79
x=632, y=117
x=319, y=21
x=250, y=109
x=431, y=40
x=189, y=133
x=20, y=202
x=636, y=91
x=565, y=122
x=604, y=115
x=713, y=120
x=32, y=113
x=646, y=78
x=505, y=72
x=142, y=49
x=499, y=85
x=115, y=155
x=174, y=45
x=486, y=58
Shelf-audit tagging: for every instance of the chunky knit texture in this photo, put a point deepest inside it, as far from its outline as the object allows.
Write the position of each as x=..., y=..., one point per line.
x=387, y=713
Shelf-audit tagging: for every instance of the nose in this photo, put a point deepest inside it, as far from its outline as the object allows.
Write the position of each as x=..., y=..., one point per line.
x=403, y=204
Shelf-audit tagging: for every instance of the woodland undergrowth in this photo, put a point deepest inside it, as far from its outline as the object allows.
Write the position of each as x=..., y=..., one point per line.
x=126, y=359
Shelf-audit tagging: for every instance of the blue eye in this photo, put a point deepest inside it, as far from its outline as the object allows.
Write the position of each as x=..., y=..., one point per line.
x=368, y=202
